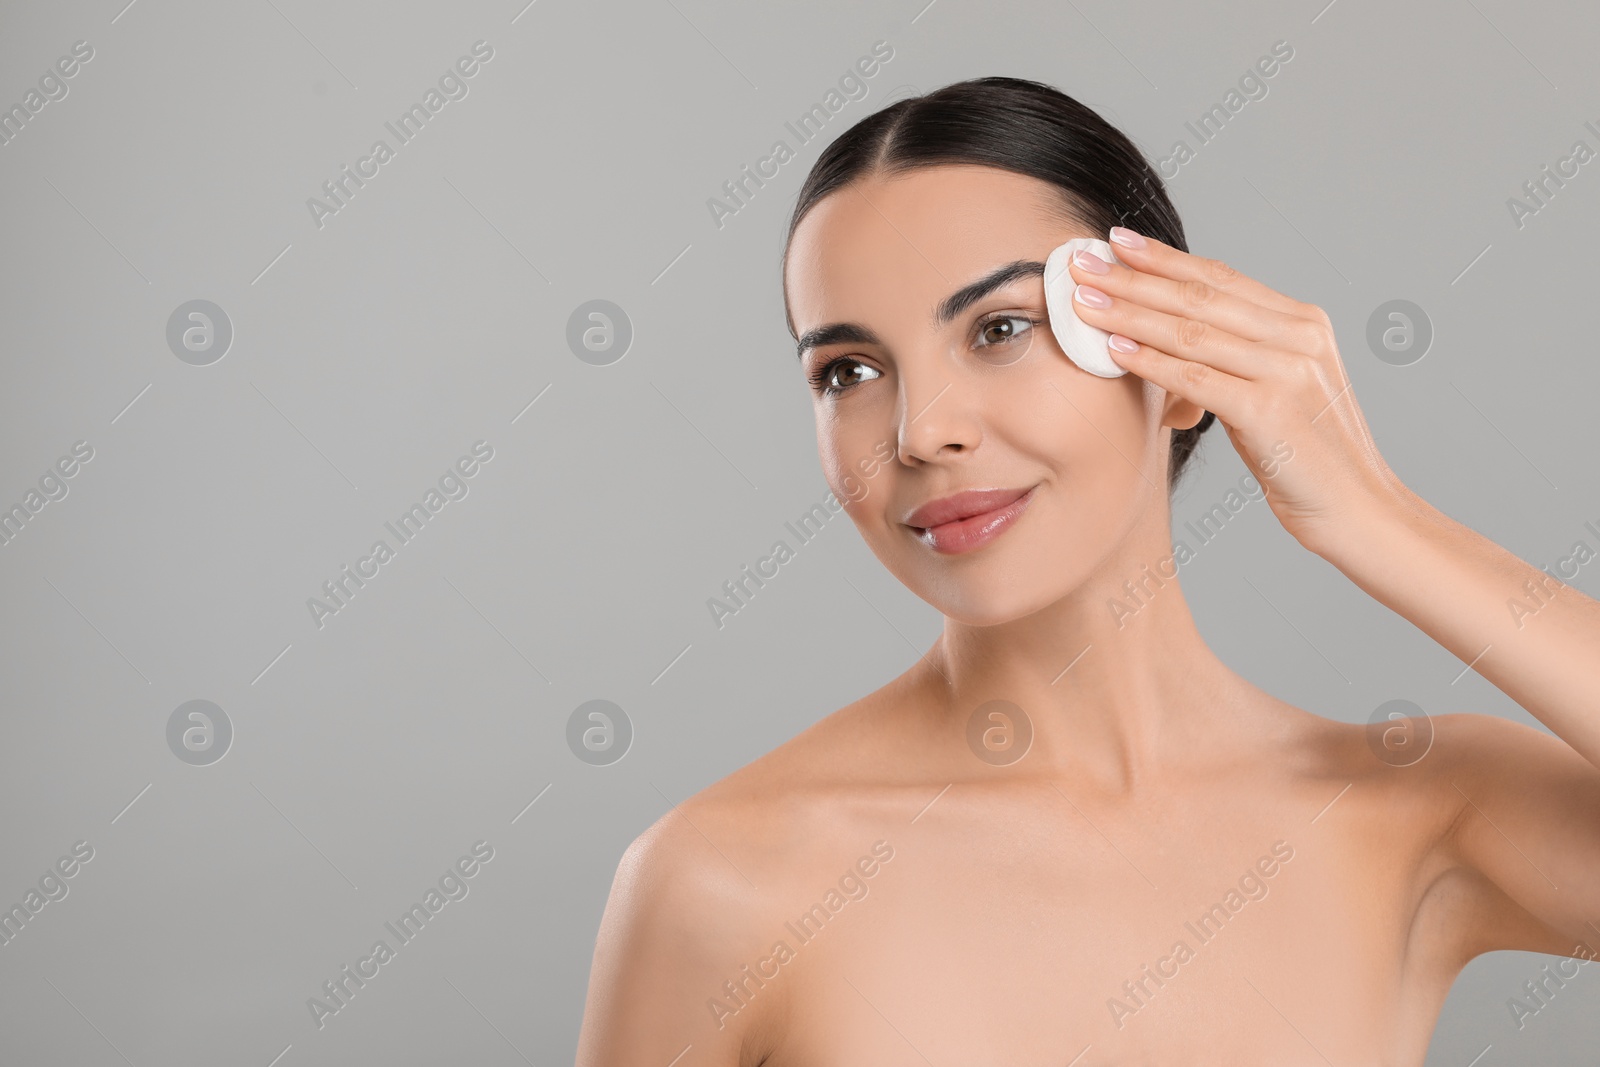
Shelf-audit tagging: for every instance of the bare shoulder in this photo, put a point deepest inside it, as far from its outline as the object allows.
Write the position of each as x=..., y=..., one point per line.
x=1495, y=765
x=1484, y=815
x=1390, y=780
x=763, y=821
x=1521, y=847
x=1460, y=754
x=1432, y=748
x=1472, y=742
x=681, y=913
x=836, y=769
x=700, y=893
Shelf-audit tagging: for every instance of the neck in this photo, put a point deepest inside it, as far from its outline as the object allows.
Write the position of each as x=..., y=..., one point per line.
x=1115, y=680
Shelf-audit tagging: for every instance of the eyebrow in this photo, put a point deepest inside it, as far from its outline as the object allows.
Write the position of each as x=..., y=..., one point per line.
x=947, y=309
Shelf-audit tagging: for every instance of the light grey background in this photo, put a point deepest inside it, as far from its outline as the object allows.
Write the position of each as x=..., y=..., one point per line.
x=369, y=354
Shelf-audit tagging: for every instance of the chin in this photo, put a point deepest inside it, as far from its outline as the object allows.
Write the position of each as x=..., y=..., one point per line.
x=979, y=614
x=989, y=604
x=993, y=591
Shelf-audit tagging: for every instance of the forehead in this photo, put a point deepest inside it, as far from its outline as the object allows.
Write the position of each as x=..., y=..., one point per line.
x=886, y=245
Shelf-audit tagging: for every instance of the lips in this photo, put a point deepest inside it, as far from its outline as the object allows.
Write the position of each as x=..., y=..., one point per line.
x=969, y=520
x=962, y=505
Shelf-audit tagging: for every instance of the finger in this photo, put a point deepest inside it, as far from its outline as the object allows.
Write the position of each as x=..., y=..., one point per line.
x=1195, y=299
x=1216, y=391
x=1187, y=338
x=1156, y=257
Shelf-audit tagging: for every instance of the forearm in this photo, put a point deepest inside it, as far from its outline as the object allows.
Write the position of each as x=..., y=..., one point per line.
x=1535, y=638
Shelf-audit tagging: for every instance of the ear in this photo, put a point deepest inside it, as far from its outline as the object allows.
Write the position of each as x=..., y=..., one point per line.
x=1181, y=414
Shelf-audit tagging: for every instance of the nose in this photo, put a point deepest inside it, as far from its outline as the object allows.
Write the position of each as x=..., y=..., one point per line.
x=937, y=419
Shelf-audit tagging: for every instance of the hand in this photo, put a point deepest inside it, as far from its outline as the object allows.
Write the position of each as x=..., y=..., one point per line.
x=1266, y=365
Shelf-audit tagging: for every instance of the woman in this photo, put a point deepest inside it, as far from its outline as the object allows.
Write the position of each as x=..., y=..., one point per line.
x=1069, y=834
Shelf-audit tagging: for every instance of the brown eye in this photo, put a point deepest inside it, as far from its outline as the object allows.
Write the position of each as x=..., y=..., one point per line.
x=846, y=374
x=998, y=332
x=835, y=377
x=1004, y=330
x=1005, y=339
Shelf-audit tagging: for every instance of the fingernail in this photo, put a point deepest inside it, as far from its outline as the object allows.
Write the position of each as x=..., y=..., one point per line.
x=1091, y=296
x=1091, y=262
x=1126, y=237
x=1121, y=343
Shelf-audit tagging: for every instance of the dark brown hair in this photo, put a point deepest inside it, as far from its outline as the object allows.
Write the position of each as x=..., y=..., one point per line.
x=1022, y=126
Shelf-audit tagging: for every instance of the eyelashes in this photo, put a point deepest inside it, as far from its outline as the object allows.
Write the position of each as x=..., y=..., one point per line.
x=1009, y=350
x=1013, y=340
x=822, y=378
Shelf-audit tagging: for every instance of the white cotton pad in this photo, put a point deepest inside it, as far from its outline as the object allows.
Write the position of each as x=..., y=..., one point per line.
x=1085, y=345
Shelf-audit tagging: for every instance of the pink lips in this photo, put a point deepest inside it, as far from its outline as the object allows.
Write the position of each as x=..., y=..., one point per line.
x=968, y=520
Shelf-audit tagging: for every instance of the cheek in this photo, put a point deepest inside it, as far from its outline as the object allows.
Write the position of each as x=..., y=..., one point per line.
x=1073, y=421
x=833, y=445
x=847, y=453
x=1097, y=439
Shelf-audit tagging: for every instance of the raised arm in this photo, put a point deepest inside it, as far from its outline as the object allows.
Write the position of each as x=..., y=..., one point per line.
x=1529, y=819
x=1268, y=366
x=1536, y=638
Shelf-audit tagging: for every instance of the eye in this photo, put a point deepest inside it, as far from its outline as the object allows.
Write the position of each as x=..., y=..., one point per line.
x=827, y=378
x=1002, y=330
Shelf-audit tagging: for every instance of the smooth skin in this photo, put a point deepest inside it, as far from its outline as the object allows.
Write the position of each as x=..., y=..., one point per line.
x=1021, y=902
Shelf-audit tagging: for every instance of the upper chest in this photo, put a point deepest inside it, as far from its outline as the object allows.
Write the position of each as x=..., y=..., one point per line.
x=1231, y=927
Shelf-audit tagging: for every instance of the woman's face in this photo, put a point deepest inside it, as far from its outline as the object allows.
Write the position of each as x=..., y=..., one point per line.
x=920, y=396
